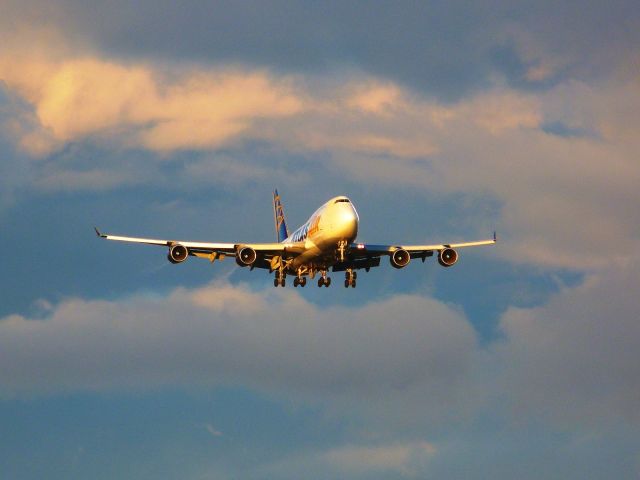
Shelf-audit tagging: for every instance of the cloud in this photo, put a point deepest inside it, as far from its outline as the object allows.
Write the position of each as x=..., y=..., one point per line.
x=399, y=459
x=369, y=117
x=88, y=97
x=442, y=50
x=415, y=360
x=577, y=358
x=140, y=105
x=226, y=335
x=212, y=430
x=407, y=459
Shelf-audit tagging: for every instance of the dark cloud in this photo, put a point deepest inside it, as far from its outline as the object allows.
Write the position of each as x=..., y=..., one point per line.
x=577, y=358
x=415, y=44
x=445, y=49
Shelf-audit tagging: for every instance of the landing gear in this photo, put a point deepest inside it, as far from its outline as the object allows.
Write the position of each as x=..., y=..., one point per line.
x=342, y=247
x=324, y=280
x=300, y=280
x=280, y=278
x=350, y=279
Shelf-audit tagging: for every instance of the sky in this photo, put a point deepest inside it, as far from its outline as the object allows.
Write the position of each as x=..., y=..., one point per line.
x=442, y=121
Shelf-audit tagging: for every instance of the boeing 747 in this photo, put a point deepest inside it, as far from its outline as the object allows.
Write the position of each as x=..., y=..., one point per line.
x=325, y=242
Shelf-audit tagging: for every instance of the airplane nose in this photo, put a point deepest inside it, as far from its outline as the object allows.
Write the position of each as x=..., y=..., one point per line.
x=349, y=221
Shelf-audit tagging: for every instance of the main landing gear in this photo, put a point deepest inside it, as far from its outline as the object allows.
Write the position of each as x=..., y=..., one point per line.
x=350, y=279
x=324, y=280
x=302, y=281
x=279, y=280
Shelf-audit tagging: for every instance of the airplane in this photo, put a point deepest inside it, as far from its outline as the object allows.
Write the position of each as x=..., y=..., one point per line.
x=324, y=242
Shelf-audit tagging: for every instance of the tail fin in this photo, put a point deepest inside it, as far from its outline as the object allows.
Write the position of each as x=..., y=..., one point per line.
x=278, y=212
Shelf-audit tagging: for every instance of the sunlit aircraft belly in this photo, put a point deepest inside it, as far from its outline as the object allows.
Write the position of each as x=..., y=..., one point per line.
x=330, y=225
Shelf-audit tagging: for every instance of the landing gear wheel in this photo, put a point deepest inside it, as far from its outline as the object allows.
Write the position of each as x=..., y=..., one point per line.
x=276, y=282
x=327, y=282
x=303, y=281
x=296, y=282
x=282, y=282
x=320, y=282
x=350, y=279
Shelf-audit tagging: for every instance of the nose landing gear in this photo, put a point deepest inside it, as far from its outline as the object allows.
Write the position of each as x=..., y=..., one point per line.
x=342, y=248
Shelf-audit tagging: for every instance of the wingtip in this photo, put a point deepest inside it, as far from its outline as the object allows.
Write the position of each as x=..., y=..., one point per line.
x=98, y=233
x=495, y=237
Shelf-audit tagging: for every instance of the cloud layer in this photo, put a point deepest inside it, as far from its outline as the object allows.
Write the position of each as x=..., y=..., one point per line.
x=222, y=334
x=572, y=360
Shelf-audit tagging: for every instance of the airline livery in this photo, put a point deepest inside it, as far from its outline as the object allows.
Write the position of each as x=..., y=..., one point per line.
x=325, y=242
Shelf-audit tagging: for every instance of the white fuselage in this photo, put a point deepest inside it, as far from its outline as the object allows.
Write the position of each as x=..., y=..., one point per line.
x=318, y=238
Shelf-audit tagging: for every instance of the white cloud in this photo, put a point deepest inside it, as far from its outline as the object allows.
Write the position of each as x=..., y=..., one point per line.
x=221, y=334
x=402, y=361
x=212, y=430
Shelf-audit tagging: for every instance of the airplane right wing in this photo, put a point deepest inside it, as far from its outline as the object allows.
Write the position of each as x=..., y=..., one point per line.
x=260, y=255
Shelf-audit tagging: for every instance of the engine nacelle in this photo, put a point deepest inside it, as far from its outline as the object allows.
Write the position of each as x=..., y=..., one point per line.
x=177, y=253
x=400, y=258
x=447, y=257
x=245, y=256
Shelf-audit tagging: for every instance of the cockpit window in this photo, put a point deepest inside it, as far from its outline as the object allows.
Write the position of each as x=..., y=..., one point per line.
x=345, y=200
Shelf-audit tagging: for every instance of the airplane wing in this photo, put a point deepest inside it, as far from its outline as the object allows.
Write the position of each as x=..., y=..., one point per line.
x=210, y=251
x=364, y=255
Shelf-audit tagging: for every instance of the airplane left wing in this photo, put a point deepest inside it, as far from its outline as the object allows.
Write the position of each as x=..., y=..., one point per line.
x=247, y=254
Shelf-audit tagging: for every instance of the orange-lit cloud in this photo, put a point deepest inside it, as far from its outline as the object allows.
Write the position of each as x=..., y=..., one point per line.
x=138, y=106
x=171, y=108
x=376, y=99
x=403, y=458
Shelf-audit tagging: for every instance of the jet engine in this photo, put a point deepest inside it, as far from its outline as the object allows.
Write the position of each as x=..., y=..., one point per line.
x=177, y=253
x=245, y=256
x=447, y=257
x=400, y=258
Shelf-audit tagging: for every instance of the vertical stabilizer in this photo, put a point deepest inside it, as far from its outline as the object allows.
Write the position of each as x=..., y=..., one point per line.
x=278, y=212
